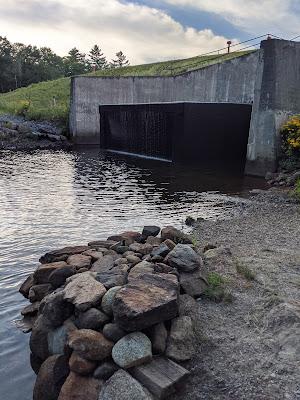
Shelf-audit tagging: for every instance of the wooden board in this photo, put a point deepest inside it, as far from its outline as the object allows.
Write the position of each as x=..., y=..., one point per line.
x=160, y=376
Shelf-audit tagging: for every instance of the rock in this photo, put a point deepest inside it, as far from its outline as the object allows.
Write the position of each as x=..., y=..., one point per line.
x=55, y=308
x=80, y=365
x=57, y=339
x=90, y=344
x=219, y=259
x=62, y=254
x=102, y=243
x=108, y=299
x=158, y=335
x=77, y=387
x=150, y=231
x=139, y=269
x=165, y=269
x=104, y=264
x=170, y=244
x=189, y=221
x=23, y=129
x=105, y=370
x=84, y=291
x=51, y=377
x=146, y=301
x=132, y=350
x=157, y=259
x=181, y=345
x=26, y=324
x=115, y=277
x=121, y=261
x=122, y=386
x=169, y=232
x=113, y=332
x=184, y=258
x=95, y=255
x=31, y=309
x=58, y=277
x=163, y=250
x=26, y=286
x=119, y=248
x=143, y=249
x=79, y=261
x=38, y=292
x=193, y=283
x=153, y=241
x=35, y=363
x=132, y=259
x=39, y=338
x=81, y=270
x=92, y=319
x=42, y=273
x=126, y=237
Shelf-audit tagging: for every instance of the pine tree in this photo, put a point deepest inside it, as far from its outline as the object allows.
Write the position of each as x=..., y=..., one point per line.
x=97, y=58
x=121, y=61
x=76, y=63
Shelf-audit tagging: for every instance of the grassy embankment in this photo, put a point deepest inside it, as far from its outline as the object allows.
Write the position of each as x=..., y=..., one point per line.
x=50, y=100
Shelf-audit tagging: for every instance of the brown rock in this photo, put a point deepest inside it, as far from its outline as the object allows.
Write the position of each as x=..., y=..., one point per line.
x=26, y=286
x=117, y=276
x=170, y=244
x=193, y=283
x=31, y=309
x=106, y=244
x=62, y=254
x=126, y=237
x=90, y=344
x=104, y=263
x=139, y=269
x=38, y=292
x=41, y=275
x=52, y=375
x=79, y=261
x=78, y=387
x=154, y=241
x=39, y=338
x=181, y=344
x=146, y=301
x=169, y=232
x=80, y=365
x=94, y=254
x=143, y=249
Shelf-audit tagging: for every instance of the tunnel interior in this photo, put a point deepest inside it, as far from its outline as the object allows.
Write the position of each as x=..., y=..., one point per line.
x=200, y=133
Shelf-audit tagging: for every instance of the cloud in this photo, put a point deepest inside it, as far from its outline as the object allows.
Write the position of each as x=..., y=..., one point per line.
x=144, y=33
x=254, y=16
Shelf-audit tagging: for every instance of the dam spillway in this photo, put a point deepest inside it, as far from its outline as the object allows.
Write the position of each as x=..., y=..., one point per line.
x=178, y=132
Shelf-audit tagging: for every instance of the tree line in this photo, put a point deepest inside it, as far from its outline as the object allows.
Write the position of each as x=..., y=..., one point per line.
x=22, y=65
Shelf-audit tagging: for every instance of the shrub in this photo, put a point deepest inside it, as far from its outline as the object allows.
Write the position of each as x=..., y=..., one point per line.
x=290, y=143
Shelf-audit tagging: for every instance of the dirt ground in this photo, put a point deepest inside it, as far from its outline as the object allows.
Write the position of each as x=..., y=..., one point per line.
x=250, y=348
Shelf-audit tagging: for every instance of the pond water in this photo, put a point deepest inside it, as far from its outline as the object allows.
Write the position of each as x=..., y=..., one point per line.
x=52, y=199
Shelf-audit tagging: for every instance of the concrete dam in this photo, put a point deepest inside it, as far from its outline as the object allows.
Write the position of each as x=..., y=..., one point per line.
x=227, y=111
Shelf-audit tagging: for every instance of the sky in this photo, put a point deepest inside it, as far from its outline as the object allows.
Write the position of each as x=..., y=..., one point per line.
x=145, y=30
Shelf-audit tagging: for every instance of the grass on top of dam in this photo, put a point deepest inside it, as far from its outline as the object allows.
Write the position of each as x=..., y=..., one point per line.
x=50, y=100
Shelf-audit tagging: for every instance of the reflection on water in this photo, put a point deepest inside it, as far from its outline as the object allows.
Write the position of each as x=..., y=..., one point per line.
x=52, y=199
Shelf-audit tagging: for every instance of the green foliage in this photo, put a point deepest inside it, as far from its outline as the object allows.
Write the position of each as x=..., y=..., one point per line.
x=216, y=290
x=214, y=279
x=290, y=144
x=245, y=271
x=296, y=191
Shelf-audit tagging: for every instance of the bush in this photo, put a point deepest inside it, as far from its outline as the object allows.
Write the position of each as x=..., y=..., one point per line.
x=290, y=143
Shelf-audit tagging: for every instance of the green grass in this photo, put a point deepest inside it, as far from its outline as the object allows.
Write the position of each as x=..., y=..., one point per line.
x=217, y=290
x=37, y=101
x=245, y=271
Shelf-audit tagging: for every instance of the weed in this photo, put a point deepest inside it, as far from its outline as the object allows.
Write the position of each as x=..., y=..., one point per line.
x=245, y=271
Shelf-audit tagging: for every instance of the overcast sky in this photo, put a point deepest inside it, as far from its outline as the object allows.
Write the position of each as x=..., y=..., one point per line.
x=145, y=30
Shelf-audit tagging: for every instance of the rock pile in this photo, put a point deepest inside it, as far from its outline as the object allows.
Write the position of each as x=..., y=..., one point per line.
x=113, y=318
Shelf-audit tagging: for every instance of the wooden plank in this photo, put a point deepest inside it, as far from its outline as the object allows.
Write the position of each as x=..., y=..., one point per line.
x=160, y=376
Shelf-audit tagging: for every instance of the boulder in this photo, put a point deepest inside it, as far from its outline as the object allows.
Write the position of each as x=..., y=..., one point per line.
x=150, y=231
x=42, y=273
x=184, y=258
x=84, y=291
x=55, y=308
x=90, y=344
x=220, y=259
x=119, y=248
x=113, y=332
x=52, y=375
x=126, y=237
x=38, y=292
x=146, y=301
x=143, y=249
x=80, y=365
x=105, y=263
x=122, y=386
x=181, y=345
x=92, y=319
x=132, y=350
x=39, y=338
x=133, y=259
x=77, y=387
x=79, y=261
x=94, y=254
x=62, y=254
x=158, y=335
x=35, y=363
x=106, y=244
x=193, y=283
x=58, y=277
x=154, y=241
x=26, y=286
x=31, y=309
x=170, y=244
x=117, y=276
x=105, y=370
x=139, y=269
x=108, y=298
x=169, y=232
x=162, y=251
x=58, y=338
x=165, y=269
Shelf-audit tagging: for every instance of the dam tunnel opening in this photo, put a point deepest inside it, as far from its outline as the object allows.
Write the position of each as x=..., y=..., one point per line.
x=202, y=133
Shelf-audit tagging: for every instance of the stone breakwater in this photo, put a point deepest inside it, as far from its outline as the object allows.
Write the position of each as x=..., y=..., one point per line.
x=113, y=319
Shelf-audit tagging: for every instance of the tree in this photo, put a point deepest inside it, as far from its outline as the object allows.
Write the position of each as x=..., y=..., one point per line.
x=98, y=60
x=121, y=61
x=76, y=63
x=6, y=65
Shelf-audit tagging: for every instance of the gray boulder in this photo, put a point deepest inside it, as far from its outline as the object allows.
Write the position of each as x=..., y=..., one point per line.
x=91, y=319
x=105, y=370
x=113, y=332
x=184, y=258
x=108, y=298
x=132, y=350
x=151, y=230
x=181, y=344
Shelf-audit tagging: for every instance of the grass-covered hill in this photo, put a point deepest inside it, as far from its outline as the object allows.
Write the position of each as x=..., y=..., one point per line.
x=50, y=100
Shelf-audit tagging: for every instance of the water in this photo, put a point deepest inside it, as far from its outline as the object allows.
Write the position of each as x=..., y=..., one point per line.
x=52, y=199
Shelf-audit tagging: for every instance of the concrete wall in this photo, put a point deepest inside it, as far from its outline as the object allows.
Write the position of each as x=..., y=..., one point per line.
x=230, y=82
x=277, y=96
